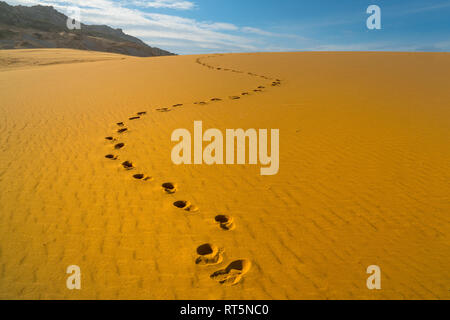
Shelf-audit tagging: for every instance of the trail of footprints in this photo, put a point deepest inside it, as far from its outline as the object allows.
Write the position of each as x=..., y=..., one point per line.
x=259, y=89
x=207, y=254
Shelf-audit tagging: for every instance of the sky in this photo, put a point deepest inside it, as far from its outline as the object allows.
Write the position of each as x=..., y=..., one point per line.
x=212, y=26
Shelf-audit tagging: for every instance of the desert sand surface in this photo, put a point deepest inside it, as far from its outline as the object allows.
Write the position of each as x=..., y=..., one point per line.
x=27, y=58
x=363, y=180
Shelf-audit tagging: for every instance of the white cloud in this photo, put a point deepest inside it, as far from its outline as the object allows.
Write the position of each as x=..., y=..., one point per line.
x=258, y=31
x=438, y=6
x=170, y=4
x=383, y=46
x=204, y=35
x=271, y=34
x=443, y=45
x=222, y=26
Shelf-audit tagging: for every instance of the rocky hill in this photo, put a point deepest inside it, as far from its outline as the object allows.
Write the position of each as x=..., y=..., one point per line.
x=44, y=27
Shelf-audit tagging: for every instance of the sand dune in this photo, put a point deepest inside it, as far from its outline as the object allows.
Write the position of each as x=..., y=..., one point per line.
x=363, y=179
x=26, y=58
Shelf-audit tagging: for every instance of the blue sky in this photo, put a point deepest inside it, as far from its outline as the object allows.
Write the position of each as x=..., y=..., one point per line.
x=207, y=26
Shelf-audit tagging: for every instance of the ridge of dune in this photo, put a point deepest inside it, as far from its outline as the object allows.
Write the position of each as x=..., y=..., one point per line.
x=363, y=180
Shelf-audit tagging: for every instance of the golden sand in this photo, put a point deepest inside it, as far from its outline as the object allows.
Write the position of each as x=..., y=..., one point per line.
x=363, y=180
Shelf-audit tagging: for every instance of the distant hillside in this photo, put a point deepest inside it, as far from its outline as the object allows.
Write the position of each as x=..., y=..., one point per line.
x=44, y=27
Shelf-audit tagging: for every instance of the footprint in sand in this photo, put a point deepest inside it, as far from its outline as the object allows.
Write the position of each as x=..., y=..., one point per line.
x=170, y=187
x=233, y=273
x=234, y=97
x=127, y=165
x=111, y=157
x=216, y=99
x=142, y=177
x=257, y=90
x=202, y=103
x=177, y=105
x=261, y=87
x=226, y=222
x=134, y=118
x=119, y=146
x=209, y=254
x=186, y=205
x=245, y=93
x=122, y=130
x=142, y=113
x=120, y=124
x=110, y=139
x=163, y=110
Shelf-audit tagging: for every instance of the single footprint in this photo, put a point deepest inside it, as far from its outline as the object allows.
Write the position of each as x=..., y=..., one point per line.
x=186, y=205
x=261, y=87
x=202, y=103
x=111, y=157
x=163, y=110
x=122, y=130
x=209, y=254
x=216, y=99
x=142, y=177
x=233, y=273
x=142, y=113
x=245, y=93
x=127, y=165
x=177, y=105
x=119, y=146
x=257, y=90
x=234, y=97
x=226, y=222
x=134, y=118
x=170, y=187
x=120, y=124
x=110, y=139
